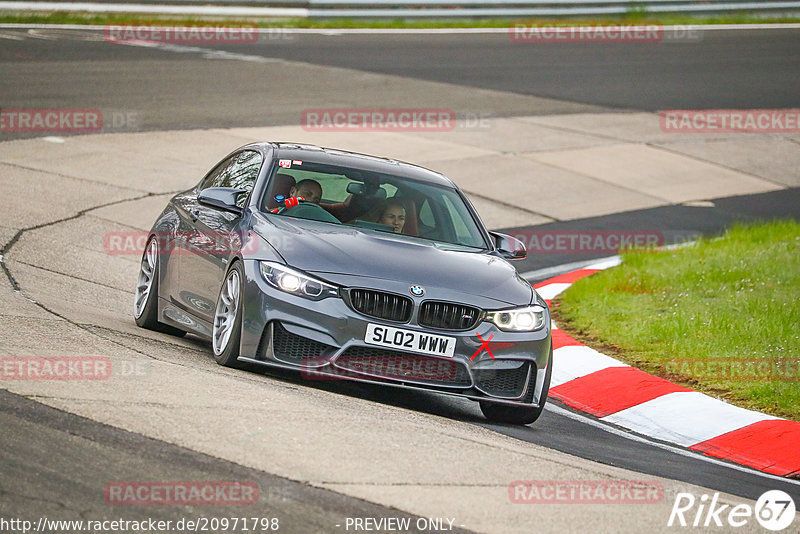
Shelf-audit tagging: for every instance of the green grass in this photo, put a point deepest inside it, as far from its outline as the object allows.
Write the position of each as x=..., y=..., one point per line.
x=732, y=299
x=634, y=17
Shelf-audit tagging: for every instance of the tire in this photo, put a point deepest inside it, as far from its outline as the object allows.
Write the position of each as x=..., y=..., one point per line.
x=226, y=330
x=515, y=415
x=145, y=306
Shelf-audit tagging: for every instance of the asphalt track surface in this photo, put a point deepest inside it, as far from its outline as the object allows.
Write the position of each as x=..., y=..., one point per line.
x=722, y=70
x=714, y=69
x=748, y=69
x=50, y=458
x=674, y=223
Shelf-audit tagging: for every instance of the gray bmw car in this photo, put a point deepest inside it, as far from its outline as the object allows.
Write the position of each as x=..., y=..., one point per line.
x=347, y=266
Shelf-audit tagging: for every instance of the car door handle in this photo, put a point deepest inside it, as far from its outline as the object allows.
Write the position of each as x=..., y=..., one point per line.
x=194, y=215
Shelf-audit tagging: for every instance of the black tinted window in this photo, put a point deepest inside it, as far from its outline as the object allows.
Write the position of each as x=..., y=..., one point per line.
x=242, y=172
x=239, y=171
x=217, y=174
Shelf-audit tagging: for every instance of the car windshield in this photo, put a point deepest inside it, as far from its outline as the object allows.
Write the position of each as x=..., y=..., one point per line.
x=373, y=202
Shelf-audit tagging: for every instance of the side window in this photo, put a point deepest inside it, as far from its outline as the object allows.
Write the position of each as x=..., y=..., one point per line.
x=214, y=176
x=242, y=173
x=239, y=171
x=426, y=214
x=333, y=185
x=390, y=190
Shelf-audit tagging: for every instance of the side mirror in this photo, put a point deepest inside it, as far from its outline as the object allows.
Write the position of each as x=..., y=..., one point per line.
x=509, y=247
x=223, y=198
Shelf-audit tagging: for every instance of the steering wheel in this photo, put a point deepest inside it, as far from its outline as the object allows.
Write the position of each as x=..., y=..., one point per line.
x=309, y=210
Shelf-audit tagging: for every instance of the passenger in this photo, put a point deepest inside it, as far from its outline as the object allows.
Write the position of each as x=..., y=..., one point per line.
x=392, y=213
x=309, y=190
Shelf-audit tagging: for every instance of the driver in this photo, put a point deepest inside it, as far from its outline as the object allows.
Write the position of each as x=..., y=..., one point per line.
x=309, y=190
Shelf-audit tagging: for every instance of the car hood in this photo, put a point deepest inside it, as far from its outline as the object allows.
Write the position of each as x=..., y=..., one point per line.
x=347, y=256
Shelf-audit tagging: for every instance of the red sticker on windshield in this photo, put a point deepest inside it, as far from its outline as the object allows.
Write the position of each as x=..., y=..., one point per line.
x=285, y=163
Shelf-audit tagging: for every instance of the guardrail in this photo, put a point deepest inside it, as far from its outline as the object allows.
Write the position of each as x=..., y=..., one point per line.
x=419, y=8
x=523, y=8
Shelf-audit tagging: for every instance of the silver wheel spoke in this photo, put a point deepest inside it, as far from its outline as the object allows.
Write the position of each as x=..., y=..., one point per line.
x=233, y=287
x=146, y=277
x=225, y=315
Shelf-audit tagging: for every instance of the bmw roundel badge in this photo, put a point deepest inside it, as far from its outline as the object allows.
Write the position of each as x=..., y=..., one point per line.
x=417, y=291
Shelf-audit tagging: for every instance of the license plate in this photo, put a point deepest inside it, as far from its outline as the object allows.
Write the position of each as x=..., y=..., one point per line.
x=410, y=340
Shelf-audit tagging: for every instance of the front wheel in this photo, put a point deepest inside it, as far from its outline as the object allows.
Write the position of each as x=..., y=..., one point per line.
x=519, y=415
x=226, y=332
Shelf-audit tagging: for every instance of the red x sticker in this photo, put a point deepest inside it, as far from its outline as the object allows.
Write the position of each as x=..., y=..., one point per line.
x=484, y=345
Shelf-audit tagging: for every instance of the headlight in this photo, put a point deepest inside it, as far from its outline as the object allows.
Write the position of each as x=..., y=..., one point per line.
x=295, y=282
x=524, y=319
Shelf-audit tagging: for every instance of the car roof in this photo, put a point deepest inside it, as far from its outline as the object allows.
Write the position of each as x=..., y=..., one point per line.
x=344, y=158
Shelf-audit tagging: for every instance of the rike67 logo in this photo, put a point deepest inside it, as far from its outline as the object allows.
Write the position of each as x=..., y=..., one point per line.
x=774, y=510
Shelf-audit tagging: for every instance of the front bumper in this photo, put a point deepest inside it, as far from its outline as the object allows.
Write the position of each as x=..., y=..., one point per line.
x=325, y=340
